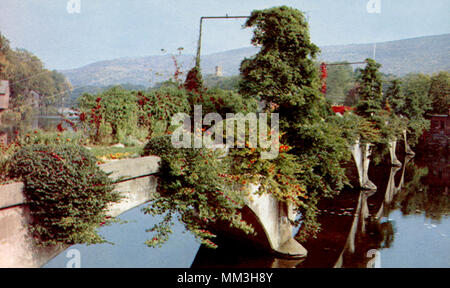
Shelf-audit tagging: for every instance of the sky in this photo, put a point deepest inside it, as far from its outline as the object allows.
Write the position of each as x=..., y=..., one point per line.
x=109, y=29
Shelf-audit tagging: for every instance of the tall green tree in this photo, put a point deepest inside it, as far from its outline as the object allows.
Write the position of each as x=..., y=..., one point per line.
x=416, y=89
x=283, y=71
x=394, y=97
x=284, y=75
x=27, y=73
x=440, y=92
x=4, y=49
x=370, y=90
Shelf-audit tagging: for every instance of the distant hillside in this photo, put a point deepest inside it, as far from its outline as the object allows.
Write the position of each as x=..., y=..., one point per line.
x=417, y=55
x=420, y=55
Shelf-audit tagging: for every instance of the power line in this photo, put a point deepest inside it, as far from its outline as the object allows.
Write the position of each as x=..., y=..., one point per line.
x=345, y=63
x=35, y=75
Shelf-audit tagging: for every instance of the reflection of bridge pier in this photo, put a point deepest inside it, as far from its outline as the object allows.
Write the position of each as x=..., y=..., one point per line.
x=362, y=215
x=392, y=190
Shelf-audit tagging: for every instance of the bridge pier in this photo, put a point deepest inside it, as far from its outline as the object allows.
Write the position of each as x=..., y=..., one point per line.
x=394, y=160
x=408, y=149
x=275, y=218
x=361, y=154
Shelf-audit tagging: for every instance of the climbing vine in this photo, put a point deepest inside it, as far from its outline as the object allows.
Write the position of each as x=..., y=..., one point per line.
x=194, y=186
x=67, y=193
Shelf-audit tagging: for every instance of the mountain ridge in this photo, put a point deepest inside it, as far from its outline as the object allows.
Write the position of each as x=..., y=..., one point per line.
x=426, y=54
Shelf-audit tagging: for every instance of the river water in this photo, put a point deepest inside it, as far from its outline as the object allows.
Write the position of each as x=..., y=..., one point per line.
x=405, y=223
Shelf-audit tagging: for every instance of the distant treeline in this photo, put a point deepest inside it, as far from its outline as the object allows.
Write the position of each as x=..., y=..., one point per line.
x=230, y=83
x=342, y=87
x=26, y=73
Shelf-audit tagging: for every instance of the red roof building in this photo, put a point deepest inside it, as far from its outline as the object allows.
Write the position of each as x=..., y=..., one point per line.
x=4, y=97
x=341, y=109
x=4, y=94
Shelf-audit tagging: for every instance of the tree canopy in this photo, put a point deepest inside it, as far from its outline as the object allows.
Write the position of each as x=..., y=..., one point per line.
x=26, y=73
x=439, y=92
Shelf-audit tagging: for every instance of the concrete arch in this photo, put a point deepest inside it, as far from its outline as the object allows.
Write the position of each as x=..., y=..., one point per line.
x=138, y=185
x=276, y=219
x=17, y=247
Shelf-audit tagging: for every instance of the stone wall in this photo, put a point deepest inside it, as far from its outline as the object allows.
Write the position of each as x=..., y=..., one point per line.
x=17, y=248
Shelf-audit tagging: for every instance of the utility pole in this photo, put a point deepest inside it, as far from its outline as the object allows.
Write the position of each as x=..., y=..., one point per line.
x=199, y=47
x=374, y=51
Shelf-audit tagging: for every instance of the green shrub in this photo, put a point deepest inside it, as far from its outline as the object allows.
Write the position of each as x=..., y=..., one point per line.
x=66, y=191
x=222, y=102
x=156, y=107
x=194, y=187
x=112, y=113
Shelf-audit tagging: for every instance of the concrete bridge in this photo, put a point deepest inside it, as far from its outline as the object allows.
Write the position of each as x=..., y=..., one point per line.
x=18, y=249
x=271, y=218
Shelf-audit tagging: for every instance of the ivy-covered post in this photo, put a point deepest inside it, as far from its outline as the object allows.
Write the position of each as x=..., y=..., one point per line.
x=199, y=47
x=284, y=75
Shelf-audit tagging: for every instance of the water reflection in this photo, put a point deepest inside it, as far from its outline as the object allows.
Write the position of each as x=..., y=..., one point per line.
x=426, y=190
x=10, y=129
x=359, y=225
x=129, y=250
x=405, y=223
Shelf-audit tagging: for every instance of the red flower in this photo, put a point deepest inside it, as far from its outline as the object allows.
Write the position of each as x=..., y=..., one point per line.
x=60, y=128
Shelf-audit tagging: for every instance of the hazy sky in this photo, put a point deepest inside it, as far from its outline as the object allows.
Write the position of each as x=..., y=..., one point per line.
x=107, y=29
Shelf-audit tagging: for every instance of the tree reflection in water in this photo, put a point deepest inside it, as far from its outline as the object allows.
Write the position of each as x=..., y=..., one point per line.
x=426, y=191
x=356, y=222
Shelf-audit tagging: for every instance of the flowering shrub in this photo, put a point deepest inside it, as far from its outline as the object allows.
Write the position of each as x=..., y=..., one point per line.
x=194, y=187
x=161, y=105
x=222, y=102
x=113, y=156
x=323, y=77
x=193, y=82
x=113, y=112
x=6, y=150
x=66, y=191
